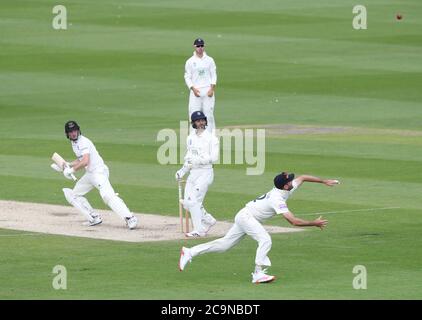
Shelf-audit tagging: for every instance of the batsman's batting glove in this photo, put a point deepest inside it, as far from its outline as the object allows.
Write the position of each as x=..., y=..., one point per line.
x=188, y=165
x=67, y=172
x=56, y=167
x=180, y=173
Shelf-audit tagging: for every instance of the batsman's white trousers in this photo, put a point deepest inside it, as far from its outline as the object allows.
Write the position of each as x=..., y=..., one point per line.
x=91, y=180
x=195, y=190
x=244, y=224
x=205, y=104
x=100, y=180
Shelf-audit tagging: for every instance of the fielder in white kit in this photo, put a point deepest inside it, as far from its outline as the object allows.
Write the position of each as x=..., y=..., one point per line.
x=203, y=150
x=96, y=176
x=201, y=79
x=248, y=222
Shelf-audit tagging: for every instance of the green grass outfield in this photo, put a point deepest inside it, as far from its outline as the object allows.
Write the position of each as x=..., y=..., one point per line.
x=118, y=71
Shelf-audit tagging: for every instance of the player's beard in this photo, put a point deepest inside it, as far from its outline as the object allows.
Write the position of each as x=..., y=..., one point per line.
x=201, y=127
x=75, y=139
x=289, y=188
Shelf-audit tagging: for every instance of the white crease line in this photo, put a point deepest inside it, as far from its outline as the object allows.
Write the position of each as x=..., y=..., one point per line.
x=22, y=234
x=343, y=211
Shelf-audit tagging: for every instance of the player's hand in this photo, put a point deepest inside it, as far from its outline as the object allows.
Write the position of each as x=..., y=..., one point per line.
x=210, y=92
x=331, y=182
x=178, y=176
x=196, y=92
x=188, y=162
x=55, y=167
x=67, y=172
x=181, y=173
x=320, y=223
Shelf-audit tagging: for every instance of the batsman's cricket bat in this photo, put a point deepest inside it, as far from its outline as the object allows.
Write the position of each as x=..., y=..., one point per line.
x=61, y=163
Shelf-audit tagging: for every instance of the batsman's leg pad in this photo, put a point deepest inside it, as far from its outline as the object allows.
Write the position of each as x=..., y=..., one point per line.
x=194, y=208
x=80, y=203
x=115, y=203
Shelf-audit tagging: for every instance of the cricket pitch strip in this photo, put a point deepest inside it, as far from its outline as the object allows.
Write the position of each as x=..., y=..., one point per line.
x=66, y=221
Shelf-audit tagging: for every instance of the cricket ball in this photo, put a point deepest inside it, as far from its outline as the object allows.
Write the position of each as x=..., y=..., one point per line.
x=399, y=16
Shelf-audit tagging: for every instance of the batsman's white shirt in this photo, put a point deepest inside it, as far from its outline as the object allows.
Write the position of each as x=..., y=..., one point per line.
x=84, y=146
x=204, y=148
x=200, y=72
x=271, y=203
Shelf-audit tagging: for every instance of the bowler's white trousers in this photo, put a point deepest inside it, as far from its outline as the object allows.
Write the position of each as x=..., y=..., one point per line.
x=244, y=224
x=195, y=190
x=205, y=104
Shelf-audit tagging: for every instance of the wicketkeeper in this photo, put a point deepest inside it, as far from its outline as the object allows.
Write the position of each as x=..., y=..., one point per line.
x=96, y=176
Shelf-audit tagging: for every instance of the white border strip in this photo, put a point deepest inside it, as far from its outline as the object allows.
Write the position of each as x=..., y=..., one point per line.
x=345, y=211
x=22, y=234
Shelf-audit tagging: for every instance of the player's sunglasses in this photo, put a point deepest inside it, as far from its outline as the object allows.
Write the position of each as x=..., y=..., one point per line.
x=199, y=46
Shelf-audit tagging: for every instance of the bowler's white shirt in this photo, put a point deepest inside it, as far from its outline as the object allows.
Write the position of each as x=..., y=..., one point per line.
x=200, y=72
x=271, y=203
x=84, y=146
x=205, y=147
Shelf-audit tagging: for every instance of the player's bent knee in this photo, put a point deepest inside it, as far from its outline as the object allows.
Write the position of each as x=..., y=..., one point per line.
x=108, y=195
x=69, y=195
x=266, y=241
x=188, y=204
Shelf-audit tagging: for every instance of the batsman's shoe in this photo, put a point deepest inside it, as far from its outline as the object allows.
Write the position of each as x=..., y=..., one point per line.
x=132, y=222
x=262, y=277
x=94, y=221
x=195, y=234
x=185, y=257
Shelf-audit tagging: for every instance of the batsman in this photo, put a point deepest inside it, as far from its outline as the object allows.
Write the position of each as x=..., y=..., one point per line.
x=203, y=150
x=96, y=176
